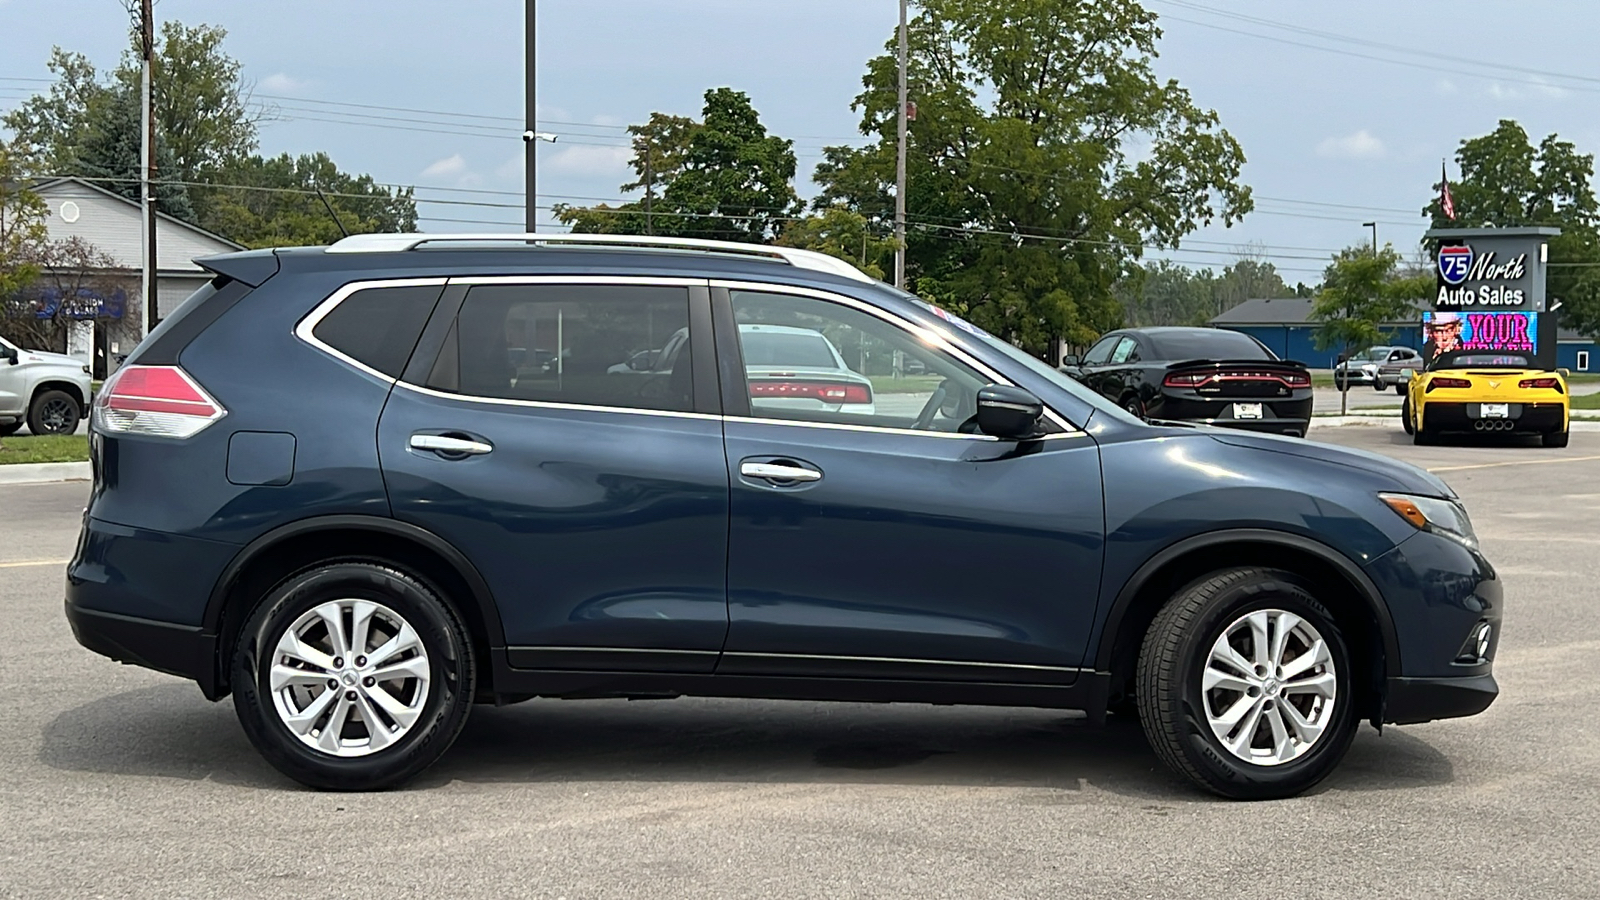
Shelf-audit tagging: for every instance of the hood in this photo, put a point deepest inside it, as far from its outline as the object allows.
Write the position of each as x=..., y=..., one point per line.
x=56, y=359
x=1407, y=477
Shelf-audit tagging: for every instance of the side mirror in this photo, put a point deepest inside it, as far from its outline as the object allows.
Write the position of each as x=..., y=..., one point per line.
x=1008, y=412
x=9, y=354
x=1069, y=360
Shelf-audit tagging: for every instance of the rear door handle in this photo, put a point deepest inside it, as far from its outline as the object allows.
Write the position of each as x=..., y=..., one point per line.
x=451, y=446
x=778, y=472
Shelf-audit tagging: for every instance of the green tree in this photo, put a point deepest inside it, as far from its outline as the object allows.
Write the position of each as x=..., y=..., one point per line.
x=1045, y=155
x=208, y=172
x=22, y=229
x=844, y=233
x=723, y=178
x=278, y=204
x=1506, y=181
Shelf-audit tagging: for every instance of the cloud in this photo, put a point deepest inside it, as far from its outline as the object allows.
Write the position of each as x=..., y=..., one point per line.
x=575, y=159
x=282, y=83
x=513, y=167
x=1445, y=86
x=1540, y=88
x=1361, y=145
x=449, y=167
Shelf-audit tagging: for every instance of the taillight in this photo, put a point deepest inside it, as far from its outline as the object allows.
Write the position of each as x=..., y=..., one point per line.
x=1445, y=382
x=826, y=391
x=1297, y=379
x=1540, y=383
x=1196, y=379
x=1182, y=381
x=158, y=401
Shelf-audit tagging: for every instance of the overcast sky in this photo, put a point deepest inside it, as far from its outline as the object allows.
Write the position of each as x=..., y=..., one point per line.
x=1340, y=125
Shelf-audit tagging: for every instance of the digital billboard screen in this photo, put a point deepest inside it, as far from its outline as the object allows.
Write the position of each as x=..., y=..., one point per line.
x=1445, y=331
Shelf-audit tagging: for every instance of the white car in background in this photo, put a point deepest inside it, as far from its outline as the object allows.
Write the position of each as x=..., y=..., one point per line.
x=798, y=368
x=49, y=392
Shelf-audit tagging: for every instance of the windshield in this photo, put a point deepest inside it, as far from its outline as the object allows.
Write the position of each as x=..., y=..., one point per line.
x=1370, y=354
x=1489, y=360
x=1035, y=365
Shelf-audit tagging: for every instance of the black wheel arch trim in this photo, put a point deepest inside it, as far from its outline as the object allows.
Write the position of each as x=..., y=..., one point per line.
x=482, y=597
x=1369, y=592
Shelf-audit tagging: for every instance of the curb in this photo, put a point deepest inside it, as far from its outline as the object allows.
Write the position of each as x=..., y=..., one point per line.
x=44, y=473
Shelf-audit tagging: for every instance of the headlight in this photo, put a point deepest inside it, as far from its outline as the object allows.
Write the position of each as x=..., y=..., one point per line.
x=1446, y=517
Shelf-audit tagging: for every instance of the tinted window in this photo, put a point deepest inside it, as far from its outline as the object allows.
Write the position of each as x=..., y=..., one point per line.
x=596, y=345
x=890, y=378
x=764, y=347
x=1100, y=352
x=1208, y=343
x=379, y=327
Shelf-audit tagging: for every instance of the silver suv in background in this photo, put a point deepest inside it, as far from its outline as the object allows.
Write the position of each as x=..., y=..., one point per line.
x=49, y=392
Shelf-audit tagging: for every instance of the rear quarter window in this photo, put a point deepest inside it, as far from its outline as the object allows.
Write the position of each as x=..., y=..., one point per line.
x=379, y=327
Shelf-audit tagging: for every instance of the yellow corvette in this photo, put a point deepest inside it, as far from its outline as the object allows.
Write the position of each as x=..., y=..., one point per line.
x=1486, y=392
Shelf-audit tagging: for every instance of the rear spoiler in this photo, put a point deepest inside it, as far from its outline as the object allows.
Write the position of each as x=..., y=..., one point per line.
x=1276, y=365
x=250, y=266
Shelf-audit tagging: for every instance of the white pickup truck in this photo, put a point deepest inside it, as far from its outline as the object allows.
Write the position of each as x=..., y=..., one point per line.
x=47, y=391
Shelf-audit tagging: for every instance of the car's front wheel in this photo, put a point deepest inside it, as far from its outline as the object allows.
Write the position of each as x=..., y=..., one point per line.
x=53, y=412
x=1244, y=685
x=352, y=676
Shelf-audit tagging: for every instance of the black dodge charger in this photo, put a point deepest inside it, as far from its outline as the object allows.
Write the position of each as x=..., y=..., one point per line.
x=1203, y=375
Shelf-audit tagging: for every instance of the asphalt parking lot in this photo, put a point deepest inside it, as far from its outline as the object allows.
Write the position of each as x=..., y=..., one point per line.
x=123, y=782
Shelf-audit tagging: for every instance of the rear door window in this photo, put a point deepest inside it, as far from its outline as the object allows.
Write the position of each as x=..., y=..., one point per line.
x=378, y=327
x=623, y=346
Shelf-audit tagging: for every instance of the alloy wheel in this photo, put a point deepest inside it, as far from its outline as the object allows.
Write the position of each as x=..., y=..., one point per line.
x=56, y=416
x=349, y=677
x=1269, y=687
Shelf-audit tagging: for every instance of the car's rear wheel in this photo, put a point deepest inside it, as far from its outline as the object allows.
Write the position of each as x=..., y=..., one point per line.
x=352, y=676
x=53, y=412
x=1405, y=416
x=1134, y=407
x=1244, y=685
x=1555, y=438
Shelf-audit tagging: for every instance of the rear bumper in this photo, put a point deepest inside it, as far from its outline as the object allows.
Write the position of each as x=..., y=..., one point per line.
x=1278, y=415
x=1525, y=417
x=180, y=650
x=1411, y=701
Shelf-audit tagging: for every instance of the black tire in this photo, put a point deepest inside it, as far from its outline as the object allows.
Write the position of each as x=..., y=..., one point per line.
x=53, y=412
x=9, y=430
x=1400, y=388
x=1133, y=406
x=1405, y=415
x=443, y=712
x=1379, y=386
x=1171, y=705
x=1554, y=438
x=1341, y=383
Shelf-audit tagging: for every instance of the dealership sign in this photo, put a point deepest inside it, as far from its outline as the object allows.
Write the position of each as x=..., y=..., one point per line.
x=1505, y=332
x=1468, y=278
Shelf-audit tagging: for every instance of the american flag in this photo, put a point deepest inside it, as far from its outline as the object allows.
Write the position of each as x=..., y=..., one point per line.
x=1446, y=203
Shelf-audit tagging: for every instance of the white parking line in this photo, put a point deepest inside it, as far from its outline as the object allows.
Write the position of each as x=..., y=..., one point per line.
x=34, y=562
x=1516, y=462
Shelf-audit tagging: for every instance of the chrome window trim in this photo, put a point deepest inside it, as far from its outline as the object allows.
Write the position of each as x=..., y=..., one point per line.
x=307, y=325
x=937, y=338
x=585, y=280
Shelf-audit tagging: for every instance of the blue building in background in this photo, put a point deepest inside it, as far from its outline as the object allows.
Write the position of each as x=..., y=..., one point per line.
x=1286, y=327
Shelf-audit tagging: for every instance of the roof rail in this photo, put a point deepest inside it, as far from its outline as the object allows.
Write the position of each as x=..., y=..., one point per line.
x=800, y=259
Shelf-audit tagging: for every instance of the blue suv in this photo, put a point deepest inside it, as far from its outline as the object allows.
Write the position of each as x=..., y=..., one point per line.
x=366, y=486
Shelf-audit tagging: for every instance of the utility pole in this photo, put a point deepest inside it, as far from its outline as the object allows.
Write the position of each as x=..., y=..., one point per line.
x=147, y=168
x=649, y=183
x=900, y=166
x=531, y=104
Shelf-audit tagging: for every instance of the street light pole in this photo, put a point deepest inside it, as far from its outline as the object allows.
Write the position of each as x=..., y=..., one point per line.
x=1374, y=227
x=147, y=167
x=531, y=111
x=900, y=165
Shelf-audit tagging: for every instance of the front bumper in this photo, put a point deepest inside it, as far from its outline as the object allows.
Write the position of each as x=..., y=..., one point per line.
x=1411, y=701
x=180, y=650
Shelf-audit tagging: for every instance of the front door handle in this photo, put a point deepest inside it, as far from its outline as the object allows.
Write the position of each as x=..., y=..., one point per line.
x=449, y=446
x=779, y=472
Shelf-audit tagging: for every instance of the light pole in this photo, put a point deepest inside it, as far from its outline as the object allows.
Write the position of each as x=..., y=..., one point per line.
x=531, y=111
x=900, y=165
x=531, y=138
x=1374, y=227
